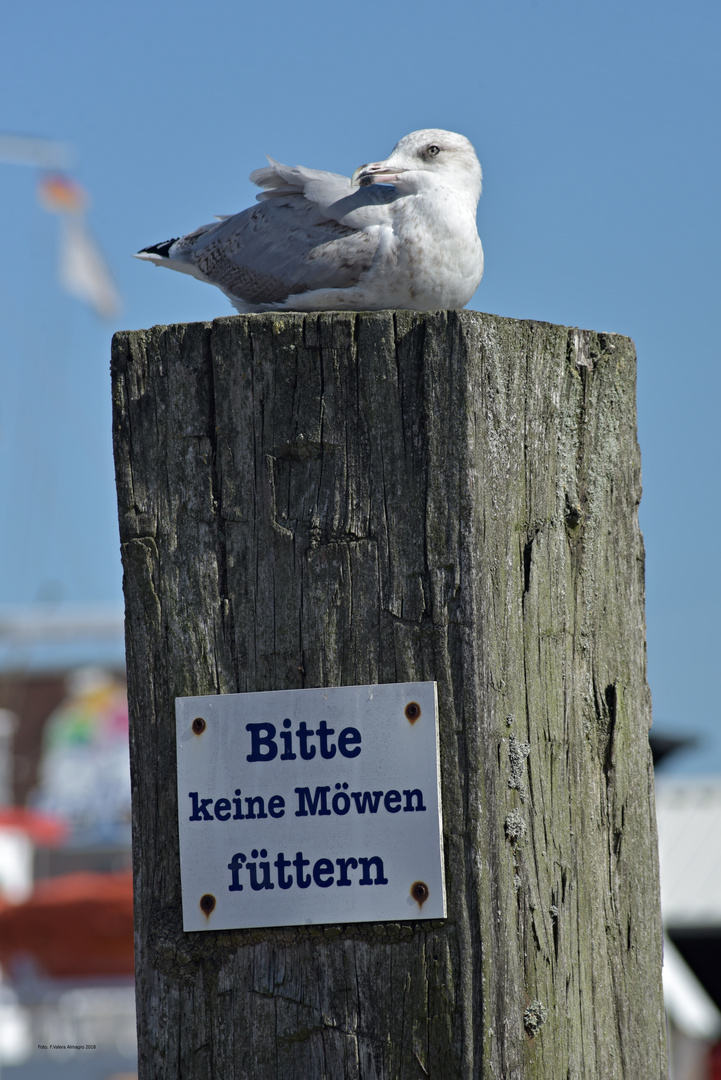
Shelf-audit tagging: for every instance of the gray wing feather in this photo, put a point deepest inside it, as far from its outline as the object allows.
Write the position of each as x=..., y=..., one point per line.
x=321, y=188
x=283, y=246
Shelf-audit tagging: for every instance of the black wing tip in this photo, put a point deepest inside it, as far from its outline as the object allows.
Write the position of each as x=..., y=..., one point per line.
x=161, y=249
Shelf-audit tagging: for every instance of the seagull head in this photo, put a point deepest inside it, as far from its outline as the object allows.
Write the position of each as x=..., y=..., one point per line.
x=424, y=160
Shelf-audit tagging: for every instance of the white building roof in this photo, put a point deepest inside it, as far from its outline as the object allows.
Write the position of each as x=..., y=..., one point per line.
x=55, y=637
x=689, y=833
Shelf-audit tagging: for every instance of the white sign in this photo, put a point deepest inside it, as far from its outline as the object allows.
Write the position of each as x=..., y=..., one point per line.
x=310, y=806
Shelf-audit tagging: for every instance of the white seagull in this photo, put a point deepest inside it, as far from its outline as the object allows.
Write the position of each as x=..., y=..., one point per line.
x=400, y=233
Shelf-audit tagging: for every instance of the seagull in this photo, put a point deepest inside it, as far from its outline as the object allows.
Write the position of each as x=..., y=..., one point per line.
x=399, y=233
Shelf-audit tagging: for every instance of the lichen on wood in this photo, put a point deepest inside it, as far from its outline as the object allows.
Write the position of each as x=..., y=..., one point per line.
x=339, y=499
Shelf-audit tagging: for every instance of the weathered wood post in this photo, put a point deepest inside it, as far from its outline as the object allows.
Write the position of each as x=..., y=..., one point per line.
x=350, y=499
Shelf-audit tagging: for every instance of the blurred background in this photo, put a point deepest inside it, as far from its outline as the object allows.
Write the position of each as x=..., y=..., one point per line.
x=597, y=129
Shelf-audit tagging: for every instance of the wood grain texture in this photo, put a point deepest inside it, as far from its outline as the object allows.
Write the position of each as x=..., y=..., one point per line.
x=343, y=499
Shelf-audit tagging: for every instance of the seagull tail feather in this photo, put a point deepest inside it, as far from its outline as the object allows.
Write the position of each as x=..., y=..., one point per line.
x=156, y=252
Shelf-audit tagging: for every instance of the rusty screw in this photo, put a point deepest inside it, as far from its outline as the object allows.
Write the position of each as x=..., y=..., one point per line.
x=413, y=711
x=420, y=892
x=199, y=725
x=207, y=903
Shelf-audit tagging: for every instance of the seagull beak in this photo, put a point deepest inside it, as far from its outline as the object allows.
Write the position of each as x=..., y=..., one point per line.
x=379, y=172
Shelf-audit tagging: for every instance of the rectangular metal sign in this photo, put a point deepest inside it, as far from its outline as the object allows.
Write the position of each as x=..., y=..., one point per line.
x=310, y=806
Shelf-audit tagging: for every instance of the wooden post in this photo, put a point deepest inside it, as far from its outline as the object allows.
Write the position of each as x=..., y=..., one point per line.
x=338, y=499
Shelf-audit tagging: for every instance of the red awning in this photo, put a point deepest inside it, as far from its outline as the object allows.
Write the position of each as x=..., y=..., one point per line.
x=73, y=926
x=43, y=830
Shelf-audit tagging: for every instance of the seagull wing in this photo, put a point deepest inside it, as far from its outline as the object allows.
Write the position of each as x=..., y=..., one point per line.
x=310, y=230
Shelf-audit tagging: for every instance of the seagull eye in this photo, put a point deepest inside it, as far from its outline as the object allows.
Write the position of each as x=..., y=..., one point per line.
x=433, y=151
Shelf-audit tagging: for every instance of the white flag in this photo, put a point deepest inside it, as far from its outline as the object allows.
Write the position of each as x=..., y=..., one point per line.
x=83, y=271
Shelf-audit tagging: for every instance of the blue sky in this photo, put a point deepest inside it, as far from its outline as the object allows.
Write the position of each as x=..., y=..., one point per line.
x=597, y=128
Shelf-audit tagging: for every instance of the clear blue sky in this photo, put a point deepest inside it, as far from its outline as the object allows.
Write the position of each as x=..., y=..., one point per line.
x=597, y=128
